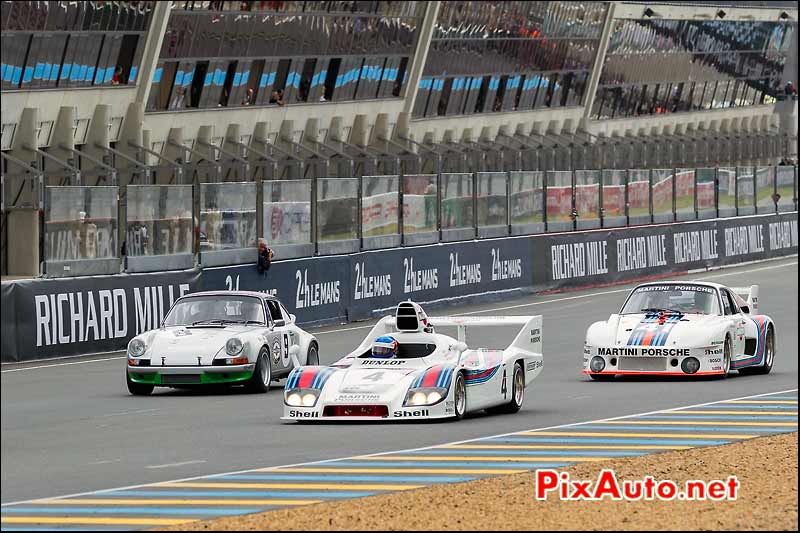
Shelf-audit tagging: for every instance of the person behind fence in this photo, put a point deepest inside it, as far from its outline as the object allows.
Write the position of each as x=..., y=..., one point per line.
x=265, y=255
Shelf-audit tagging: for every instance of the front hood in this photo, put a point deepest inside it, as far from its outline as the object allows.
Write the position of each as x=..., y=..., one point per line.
x=181, y=346
x=378, y=376
x=664, y=330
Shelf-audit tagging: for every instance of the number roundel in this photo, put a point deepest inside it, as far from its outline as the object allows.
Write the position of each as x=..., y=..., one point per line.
x=285, y=349
x=276, y=350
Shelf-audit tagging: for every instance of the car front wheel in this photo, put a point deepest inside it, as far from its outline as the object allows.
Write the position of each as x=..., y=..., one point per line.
x=138, y=389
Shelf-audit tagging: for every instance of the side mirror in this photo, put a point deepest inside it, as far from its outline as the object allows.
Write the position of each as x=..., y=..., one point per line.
x=292, y=319
x=278, y=323
x=745, y=309
x=294, y=355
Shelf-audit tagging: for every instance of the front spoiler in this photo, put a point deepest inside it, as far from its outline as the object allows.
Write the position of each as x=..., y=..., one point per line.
x=208, y=375
x=389, y=418
x=651, y=373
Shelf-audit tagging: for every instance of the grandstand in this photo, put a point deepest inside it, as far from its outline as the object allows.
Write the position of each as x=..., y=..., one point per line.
x=148, y=136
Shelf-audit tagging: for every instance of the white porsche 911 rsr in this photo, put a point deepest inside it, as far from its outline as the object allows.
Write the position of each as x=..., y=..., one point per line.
x=426, y=375
x=219, y=337
x=682, y=328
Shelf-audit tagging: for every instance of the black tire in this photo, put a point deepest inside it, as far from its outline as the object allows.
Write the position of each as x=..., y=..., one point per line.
x=602, y=377
x=459, y=397
x=312, y=359
x=138, y=389
x=727, y=358
x=769, y=357
x=517, y=393
x=262, y=374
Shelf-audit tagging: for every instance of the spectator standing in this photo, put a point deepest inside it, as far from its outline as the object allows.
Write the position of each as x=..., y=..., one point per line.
x=116, y=79
x=265, y=255
x=249, y=97
x=276, y=97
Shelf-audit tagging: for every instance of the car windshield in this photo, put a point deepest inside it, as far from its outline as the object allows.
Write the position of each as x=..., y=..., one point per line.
x=218, y=309
x=672, y=298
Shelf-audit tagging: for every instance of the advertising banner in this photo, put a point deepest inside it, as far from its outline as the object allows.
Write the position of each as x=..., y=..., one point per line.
x=8, y=324
x=69, y=316
x=381, y=279
x=580, y=259
x=314, y=289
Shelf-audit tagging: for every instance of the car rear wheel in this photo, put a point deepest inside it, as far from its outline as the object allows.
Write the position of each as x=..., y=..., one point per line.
x=312, y=359
x=138, y=389
x=517, y=393
x=262, y=375
x=769, y=356
x=459, y=396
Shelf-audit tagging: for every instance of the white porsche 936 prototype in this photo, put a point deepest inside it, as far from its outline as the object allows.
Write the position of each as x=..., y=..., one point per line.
x=404, y=370
x=682, y=328
x=219, y=337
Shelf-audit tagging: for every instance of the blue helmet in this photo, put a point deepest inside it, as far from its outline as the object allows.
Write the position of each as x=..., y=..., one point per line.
x=385, y=347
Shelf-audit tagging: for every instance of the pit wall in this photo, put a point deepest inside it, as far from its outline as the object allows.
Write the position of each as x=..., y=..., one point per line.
x=48, y=318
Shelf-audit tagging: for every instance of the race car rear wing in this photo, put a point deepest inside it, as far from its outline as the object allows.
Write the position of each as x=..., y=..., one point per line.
x=750, y=294
x=529, y=337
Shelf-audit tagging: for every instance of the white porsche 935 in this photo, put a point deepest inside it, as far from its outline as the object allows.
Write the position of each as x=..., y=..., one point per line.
x=682, y=328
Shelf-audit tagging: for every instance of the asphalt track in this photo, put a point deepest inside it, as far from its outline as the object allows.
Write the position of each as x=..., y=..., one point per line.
x=70, y=426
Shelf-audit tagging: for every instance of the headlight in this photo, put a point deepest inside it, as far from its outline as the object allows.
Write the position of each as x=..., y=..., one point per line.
x=418, y=398
x=136, y=347
x=425, y=396
x=302, y=397
x=597, y=364
x=294, y=400
x=233, y=346
x=309, y=400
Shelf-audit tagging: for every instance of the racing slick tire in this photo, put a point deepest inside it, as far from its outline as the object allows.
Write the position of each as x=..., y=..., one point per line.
x=726, y=358
x=769, y=357
x=602, y=377
x=459, y=397
x=262, y=374
x=138, y=389
x=312, y=359
x=517, y=393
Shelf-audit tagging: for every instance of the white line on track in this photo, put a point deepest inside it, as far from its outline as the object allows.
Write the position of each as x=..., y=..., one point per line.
x=172, y=465
x=62, y=364
x=125, y=413
x=272, y=468
x=494, y=309
x=105, y=462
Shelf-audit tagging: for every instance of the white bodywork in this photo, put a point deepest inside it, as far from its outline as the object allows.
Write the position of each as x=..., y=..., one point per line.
x=648, y=343
x=183, y=355
x=358, y=379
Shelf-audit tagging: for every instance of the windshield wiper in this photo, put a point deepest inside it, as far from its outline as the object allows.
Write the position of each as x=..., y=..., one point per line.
x=659, y=310
x=209, y=322
x=245, y=322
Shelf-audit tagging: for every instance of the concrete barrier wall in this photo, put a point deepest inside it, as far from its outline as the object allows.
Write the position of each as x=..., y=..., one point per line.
x=59, y=317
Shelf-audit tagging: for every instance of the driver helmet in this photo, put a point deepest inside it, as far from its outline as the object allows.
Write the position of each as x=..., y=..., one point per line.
x=385, y=347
